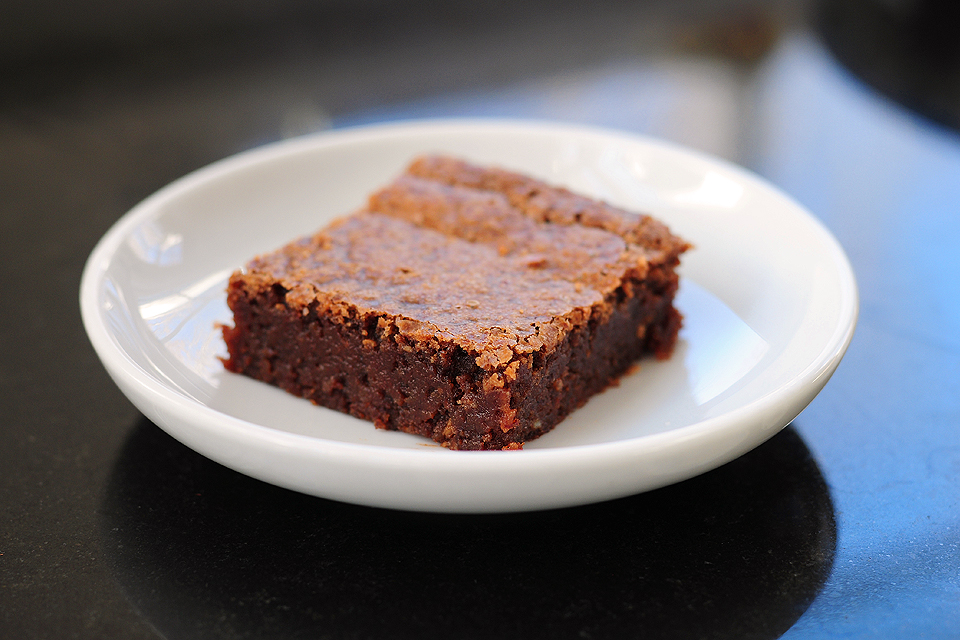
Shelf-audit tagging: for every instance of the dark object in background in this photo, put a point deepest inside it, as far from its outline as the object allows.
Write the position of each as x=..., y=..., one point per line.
x=908, y=50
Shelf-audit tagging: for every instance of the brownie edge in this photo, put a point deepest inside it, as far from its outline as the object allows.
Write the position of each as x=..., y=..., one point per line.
x=475, y=306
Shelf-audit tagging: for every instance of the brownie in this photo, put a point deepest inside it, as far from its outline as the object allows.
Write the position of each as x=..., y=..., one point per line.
x=474, y=306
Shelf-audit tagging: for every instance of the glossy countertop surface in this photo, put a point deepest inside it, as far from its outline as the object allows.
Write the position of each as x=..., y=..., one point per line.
x=844, y=525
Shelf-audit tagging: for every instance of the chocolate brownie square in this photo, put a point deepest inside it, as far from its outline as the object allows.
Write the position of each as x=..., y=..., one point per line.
x=474, y=306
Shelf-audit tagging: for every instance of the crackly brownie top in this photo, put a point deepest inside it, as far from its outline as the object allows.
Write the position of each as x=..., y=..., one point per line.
x=499, y=263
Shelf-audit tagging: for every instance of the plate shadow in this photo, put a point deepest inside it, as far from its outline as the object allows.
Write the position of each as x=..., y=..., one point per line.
x=203, y=551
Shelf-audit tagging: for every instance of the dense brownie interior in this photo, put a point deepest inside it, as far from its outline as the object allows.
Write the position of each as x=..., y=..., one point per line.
x=474, y=306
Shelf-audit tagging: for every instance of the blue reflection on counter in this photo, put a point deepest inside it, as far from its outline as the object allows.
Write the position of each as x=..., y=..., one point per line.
x=888, y=184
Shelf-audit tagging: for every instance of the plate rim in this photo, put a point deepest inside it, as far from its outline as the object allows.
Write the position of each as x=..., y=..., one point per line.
x=134, y=381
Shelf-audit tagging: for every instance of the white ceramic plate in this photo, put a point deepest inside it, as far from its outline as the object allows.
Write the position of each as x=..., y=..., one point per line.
x=769, y=298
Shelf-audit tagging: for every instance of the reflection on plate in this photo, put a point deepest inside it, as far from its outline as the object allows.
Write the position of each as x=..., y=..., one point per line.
x=769, y=299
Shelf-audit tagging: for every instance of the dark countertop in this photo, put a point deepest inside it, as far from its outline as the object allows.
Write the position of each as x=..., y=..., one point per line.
x=845, y=525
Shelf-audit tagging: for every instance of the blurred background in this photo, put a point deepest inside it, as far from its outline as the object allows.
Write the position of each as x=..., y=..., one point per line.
x=850, y=106
x=175, y=84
